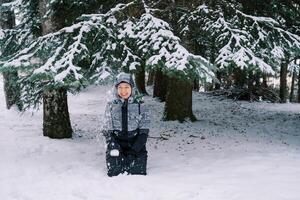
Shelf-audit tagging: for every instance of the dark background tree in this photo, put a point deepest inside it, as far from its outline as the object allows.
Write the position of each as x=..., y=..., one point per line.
x=11, y=87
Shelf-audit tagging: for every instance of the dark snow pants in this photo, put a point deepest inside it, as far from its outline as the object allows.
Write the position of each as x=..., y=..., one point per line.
x=132, y=164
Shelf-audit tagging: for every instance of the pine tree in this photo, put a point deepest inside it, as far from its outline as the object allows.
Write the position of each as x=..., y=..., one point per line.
x=251, y=43
x=95, y=48
x=162, y=50
x=286, y=13
x=11, y=87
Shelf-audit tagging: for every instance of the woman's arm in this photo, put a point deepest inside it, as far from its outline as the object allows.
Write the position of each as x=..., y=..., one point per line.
x=108, y=129
x=144, y=126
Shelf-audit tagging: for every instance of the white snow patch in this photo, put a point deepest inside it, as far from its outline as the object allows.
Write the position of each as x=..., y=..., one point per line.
x=237, y=150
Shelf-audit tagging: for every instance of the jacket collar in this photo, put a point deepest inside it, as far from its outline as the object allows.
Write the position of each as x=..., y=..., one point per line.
x=121, y=100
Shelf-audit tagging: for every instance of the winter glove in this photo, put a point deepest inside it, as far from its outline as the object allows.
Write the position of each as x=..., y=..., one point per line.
x=140, y=140
x=111, y=141
x=114, y=153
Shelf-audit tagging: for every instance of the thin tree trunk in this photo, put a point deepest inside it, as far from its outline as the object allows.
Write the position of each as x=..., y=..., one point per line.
x=160, y=85
x=257, y=77
x=292, y=86
x=11, y=87
x=298, y=100
x=56, y=121
x=218, y=84
x=251, y=88
x=265, y=81
x=196, y=85
x=283, y=82
x=151, y=77
x=240, y=78
x=140, y=80
x=179, y=100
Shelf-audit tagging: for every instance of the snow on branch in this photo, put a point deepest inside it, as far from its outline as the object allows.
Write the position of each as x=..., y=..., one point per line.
x=157, y=42
x=55, y=53
x=248, y=42
x=10, y=6
x=58, y=54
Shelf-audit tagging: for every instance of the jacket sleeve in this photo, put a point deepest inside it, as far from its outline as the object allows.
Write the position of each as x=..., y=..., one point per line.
x=144, y=117
x=107, y=118
x=144, y=126
x=108, y=130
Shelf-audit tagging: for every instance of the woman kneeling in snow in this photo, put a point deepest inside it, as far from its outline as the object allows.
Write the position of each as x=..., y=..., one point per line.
x=126, y=130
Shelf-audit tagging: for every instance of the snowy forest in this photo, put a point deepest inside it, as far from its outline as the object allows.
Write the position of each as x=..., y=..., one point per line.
x=221, y=79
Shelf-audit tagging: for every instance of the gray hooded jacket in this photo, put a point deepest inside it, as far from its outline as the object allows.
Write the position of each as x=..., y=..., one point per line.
x=138, y=119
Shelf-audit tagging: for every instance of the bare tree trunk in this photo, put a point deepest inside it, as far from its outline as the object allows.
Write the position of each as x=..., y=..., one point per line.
x=179, y=100
x=240, y=78
x=151, y=77
x=283, y=82
x=265, y=81
x=140, y=80
x=250, y=83
x=218, y=85
x=298, y=99
x=11, y=87
x=196, y=85
x=160, y=85
x=292, y=86
x=56, y=120
x=257, y=77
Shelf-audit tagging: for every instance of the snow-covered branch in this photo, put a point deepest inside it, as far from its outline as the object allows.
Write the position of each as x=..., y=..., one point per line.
x=248, y=42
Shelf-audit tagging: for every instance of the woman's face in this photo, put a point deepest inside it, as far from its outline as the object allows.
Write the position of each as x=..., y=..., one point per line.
x=124, y=90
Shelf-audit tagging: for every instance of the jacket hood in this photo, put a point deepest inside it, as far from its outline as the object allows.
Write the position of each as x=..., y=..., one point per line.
x=124, y=77
x=127, y=78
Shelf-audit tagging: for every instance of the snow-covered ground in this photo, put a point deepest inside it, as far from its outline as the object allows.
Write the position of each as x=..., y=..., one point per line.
x=236, y=151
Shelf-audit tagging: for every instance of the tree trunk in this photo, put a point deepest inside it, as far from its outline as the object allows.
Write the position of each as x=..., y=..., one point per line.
x=160, y=85
x=218, y=84
x=179, y=100
x=7, y=18
x=196, y=85
x=240, y=78
x=151, y=77
x=12, y=91
x=283, y=82
x=140, y=80
x=292, y=86
x=265, y=81
x=251, y=85
x=251, y=80
x=56, y=121
x=257, y=77
x=298, y=100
